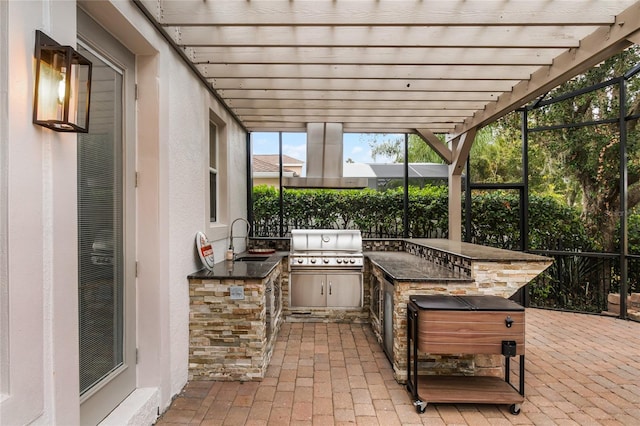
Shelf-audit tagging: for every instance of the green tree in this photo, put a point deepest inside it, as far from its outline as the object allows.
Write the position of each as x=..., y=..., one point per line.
x=589, y=155
x=392, y=146
x=496, y=155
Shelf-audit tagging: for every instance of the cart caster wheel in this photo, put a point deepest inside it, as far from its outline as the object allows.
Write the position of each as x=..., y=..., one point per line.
x=421, y=406
x=514, y=409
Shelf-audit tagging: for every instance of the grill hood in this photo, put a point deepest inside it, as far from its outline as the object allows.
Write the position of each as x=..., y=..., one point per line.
x=324, y=160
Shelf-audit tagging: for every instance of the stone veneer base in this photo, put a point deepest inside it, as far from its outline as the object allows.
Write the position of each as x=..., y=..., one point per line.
x=228, y=337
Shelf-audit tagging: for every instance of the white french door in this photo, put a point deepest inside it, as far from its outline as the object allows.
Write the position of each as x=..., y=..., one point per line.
x=106, y=234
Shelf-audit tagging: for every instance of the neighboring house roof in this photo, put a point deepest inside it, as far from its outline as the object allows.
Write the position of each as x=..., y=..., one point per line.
x=274, y=159
x=396, y=170
x=260, y=165
x=269, y=164
x=357, y=170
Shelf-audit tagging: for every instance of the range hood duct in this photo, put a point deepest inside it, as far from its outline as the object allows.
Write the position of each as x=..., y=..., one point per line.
x=324, y=160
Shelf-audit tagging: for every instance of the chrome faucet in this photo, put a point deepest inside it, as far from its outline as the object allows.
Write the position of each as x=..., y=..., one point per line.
x=231, y=237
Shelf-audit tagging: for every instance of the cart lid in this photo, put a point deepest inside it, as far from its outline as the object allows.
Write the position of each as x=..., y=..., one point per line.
x=464, y=303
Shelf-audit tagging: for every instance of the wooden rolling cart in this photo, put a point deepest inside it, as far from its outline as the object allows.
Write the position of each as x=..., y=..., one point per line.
x=439, y=324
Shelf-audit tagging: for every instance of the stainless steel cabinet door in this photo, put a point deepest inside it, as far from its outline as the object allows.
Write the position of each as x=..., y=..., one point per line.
x=344, y=290
x=307, y=289
x=387, y=319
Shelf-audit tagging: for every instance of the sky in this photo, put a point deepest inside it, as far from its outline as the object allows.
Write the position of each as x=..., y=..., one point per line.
x=356, y=145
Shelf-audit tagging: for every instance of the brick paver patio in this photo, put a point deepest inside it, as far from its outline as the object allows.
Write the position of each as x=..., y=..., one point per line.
x=580, y=370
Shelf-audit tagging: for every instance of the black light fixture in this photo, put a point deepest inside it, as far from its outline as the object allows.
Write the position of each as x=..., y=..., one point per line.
x=63, y=87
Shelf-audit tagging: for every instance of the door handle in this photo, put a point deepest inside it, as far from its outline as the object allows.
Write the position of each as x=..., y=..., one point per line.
x=329, y=287
x=322, y=288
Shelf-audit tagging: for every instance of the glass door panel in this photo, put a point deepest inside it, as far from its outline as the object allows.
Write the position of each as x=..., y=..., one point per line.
x=100, y=234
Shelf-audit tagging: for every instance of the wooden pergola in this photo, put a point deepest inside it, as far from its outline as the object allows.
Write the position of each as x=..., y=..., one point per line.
x=391, y=66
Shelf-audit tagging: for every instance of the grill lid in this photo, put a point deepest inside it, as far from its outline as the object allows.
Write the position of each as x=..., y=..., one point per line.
x=326, y=240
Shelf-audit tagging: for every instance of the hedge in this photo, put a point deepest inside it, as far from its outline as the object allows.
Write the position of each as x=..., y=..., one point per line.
x=379, y=214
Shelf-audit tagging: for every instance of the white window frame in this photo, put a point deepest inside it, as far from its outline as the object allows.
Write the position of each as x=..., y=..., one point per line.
x=214, y=193
x=219, y=229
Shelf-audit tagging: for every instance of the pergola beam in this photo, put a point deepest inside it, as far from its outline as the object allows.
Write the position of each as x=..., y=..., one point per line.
x=366, y=13
x=366, y=103
x=374, y=55
x=438, y=146
x=390, y=110
x=365, y=84
x=463, y=148
x=363, y=127
x=371, y=71
x=381, y=36
x=460, y=147
x=434, y=99
x=634, y=38
x=405, y=121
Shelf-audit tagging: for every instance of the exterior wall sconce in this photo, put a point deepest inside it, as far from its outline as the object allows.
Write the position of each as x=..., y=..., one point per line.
x=63, y=87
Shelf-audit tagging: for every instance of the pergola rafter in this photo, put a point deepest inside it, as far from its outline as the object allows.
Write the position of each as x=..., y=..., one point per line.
x=408, y=60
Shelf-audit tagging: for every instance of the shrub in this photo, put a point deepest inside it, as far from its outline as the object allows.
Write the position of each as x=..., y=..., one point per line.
x=379, y=214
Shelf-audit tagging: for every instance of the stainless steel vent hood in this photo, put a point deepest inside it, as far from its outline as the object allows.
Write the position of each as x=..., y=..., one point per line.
x=324, y=160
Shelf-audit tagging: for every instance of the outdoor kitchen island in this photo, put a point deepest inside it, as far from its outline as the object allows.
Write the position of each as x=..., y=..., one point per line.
x=444, y=267
x=236, y=309
x=234, y=315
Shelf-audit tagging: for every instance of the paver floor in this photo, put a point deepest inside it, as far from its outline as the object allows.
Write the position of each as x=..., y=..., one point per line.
x=580, y=370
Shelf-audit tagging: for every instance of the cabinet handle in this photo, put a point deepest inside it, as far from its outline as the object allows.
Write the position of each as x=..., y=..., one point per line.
x=322, y=288
x=329, y=287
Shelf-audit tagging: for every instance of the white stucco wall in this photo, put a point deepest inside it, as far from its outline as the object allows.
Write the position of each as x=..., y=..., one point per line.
x=173, y=112
x=4, y=253
x=41, y=270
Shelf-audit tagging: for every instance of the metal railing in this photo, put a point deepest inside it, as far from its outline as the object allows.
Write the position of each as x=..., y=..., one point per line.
x=581, y=282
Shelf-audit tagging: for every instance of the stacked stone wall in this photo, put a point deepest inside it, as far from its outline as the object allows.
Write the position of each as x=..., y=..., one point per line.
x=488, y=278
x=227, y=336
x=504, y=278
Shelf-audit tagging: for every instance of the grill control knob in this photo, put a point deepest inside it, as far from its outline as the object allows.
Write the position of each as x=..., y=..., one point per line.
x=300, y=260
x=339, y=260
x=352, y=261
x=313, y=261
x=325, y=260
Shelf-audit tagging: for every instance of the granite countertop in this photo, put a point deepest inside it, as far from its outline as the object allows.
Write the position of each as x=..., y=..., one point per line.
x=477, y=252
x=240, y=269
x=401, y=266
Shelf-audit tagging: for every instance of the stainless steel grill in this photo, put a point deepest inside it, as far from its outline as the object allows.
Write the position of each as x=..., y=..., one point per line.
x=326, y=269
x=326, y=249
